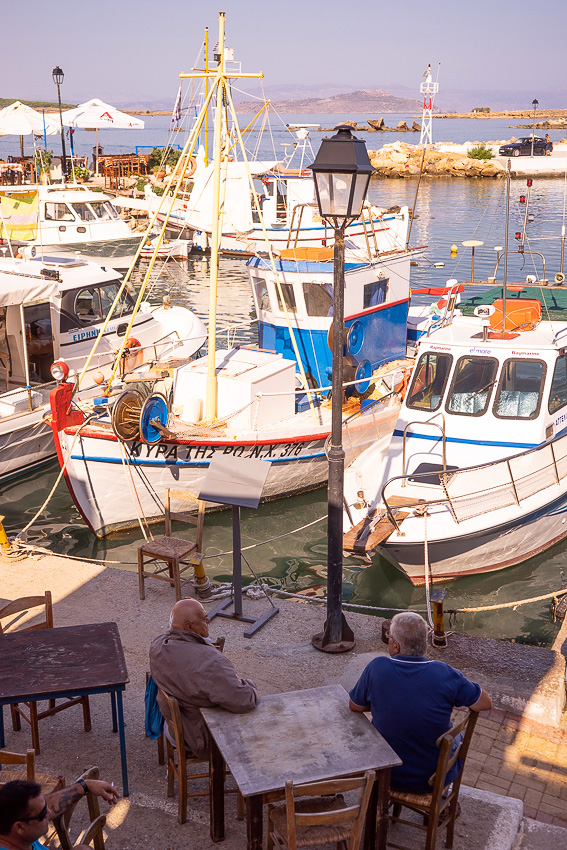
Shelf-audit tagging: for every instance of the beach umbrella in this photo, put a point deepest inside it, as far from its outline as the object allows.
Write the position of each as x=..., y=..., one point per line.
x=17, y=119
x=96, y=114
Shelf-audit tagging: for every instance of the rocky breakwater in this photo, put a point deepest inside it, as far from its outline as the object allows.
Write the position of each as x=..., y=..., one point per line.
x=399, y=160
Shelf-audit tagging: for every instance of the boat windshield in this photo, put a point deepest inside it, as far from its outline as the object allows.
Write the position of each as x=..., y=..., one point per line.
x=472, y=385
x=558, y=393
x=318, y=299
x=58, y=212
x=429, y=380
x=104, y=210
x=519, y=391
x=90, y=305
x=107, y=295
x=84, y=212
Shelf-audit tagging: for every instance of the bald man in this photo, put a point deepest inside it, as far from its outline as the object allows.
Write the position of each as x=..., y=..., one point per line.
x=186, y=666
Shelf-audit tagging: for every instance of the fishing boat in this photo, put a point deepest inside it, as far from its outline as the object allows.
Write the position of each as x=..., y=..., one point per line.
x=51, y=309
x=66, y=220
x=245, y=401
x=474, y=478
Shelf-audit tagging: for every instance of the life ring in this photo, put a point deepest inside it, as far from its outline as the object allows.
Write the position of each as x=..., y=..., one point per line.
x=132, y=354
x=191, y=167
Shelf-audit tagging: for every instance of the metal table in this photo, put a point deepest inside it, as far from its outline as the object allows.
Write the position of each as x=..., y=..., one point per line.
x=306, y=736
x=65, y=662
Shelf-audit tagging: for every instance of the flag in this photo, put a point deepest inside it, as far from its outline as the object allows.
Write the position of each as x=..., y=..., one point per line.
x=176, y=114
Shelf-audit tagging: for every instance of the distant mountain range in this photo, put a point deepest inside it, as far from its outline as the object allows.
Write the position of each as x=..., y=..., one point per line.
x=392, y=97
x=374, y=101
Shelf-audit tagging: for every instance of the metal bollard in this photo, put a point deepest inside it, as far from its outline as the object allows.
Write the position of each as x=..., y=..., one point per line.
x=439, y=636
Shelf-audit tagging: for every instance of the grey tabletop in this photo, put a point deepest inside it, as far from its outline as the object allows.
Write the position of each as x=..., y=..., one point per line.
x=305, y=736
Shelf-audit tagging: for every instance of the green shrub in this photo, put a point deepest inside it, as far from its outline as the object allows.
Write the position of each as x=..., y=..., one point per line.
x=480, y=152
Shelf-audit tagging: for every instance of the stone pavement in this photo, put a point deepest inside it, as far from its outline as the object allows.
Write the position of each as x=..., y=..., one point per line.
x=516, y=764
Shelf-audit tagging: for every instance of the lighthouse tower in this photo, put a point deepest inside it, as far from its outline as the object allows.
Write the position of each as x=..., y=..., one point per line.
x=428, y=89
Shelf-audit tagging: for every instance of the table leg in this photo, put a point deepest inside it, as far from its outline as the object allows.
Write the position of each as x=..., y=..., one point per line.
x=382, y=821
x=254, y=822
x=216, y=795
x=2, y=738
x=113, y=709
x=369, y=839
x=125, y=789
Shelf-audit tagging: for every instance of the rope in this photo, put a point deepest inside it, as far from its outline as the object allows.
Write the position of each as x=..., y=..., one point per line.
x=269, y=540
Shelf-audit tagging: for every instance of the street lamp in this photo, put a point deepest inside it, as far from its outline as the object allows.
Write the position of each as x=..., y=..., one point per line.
x=535, y=104
x=58, y=77
x=342, y=173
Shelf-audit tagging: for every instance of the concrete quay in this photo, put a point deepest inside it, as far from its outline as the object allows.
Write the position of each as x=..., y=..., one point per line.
x=515, y=783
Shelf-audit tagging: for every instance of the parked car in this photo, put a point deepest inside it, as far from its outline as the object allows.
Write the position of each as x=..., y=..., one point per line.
x=523, y=147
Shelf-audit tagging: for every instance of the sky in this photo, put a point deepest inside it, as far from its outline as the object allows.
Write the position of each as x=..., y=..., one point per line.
x=133, y=50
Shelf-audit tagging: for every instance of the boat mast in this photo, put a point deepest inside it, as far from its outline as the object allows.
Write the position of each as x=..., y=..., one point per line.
x=506, y=248
x=207, y=95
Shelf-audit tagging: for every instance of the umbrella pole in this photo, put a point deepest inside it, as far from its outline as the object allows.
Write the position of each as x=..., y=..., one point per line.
x=22, y=146
x=96, y=146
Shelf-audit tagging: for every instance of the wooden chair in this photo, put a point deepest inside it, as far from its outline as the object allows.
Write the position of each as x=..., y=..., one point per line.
x=33, y=715
x=93, y=833
x=439, y=809
x=322, y=817
x=48, y=783
x=175, y=553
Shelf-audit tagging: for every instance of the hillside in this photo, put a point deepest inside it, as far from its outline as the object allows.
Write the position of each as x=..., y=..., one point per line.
x=36, y=104
x=365, y=100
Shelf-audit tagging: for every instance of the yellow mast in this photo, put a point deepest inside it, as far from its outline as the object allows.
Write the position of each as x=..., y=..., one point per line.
x=220, y=82
x=207, y=95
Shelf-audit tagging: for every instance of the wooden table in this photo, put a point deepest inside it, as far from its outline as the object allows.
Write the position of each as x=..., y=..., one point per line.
x=305, y=736
x=69, y=661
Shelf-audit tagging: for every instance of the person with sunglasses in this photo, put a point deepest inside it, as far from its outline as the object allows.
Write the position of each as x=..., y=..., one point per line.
x=25, y=813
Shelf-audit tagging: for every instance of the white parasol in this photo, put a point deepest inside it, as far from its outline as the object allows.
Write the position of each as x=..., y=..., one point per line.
x=17, y=119
x=96, y=114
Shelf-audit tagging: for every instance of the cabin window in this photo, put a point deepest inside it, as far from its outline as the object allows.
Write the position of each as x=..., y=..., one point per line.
x=87, y=306
x=107, y=295
x=58, y=212
x=84, y=212
x=318, y=299
x=429, y=381
x=558, y=393
x=519, y=391
x=288, y=296
x=374, y=293
x=104, y=210
x=262, y=294
x=39, y=341
x=472, y=385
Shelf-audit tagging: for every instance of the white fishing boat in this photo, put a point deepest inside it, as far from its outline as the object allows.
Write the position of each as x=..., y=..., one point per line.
x=51, y=309
x=474, y=478
x=245, y=401
x=66, y=220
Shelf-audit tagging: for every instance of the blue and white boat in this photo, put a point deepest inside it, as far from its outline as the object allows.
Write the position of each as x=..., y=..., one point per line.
x=474, y=478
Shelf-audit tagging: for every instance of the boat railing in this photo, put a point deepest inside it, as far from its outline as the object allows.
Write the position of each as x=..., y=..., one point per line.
x=432, y=425
x=478, y=490
x=522, y=253
x=446, y=317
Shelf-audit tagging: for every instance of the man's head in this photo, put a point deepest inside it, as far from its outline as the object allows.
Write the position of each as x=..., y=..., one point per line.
x=23, y=811
x=188, y=615
x=408, y=635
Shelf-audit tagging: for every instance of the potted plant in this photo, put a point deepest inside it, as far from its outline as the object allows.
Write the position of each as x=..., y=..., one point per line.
x=43, y=164
x=81, y=174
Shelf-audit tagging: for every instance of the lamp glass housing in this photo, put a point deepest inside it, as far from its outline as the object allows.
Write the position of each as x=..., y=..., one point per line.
x=58, y=76
x=341, y=173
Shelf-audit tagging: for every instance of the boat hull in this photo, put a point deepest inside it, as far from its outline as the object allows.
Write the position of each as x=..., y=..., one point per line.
x=482, y=551
x=116, y=253
x=25, y=445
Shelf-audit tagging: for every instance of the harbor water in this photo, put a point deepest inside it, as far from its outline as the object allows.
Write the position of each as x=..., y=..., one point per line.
x=448, y=211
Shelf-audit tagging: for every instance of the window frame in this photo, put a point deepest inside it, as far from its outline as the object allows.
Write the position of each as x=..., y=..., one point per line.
x=556, y=409
x=541, y=392
x=491, y=387
x=438, y=354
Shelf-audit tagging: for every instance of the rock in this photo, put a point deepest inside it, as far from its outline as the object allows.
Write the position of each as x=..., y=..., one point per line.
x=402, y=126
x=415, y=127
x=377, y=124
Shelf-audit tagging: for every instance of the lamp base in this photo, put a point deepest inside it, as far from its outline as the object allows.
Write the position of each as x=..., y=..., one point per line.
x=322, y=642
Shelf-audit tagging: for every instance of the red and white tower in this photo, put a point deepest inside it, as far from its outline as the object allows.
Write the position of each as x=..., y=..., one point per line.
x=428, y=89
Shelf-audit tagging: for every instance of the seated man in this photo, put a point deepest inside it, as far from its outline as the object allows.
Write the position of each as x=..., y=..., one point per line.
x=25, y=813
x=411, y=699
x=186, y=666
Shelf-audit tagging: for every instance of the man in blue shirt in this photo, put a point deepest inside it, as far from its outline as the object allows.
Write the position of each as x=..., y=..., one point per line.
x=25, y=813
x=411, y=699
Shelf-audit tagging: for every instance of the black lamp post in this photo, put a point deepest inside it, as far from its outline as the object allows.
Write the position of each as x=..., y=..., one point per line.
x=535, y=104
x=58, y=77
x=342, y=173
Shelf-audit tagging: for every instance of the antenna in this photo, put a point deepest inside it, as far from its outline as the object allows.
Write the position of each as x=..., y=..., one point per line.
x=428, y=89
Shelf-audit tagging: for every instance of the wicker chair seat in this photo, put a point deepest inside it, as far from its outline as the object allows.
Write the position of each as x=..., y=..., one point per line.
x=313, y=835
x=48, y=783
x=407, y=798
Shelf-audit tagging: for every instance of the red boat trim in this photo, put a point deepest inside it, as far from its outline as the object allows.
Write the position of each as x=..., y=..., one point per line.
x=375, y=309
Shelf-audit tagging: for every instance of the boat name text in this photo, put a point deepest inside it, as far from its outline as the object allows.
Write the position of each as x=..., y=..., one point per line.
x=170, y=453
x=91, y=333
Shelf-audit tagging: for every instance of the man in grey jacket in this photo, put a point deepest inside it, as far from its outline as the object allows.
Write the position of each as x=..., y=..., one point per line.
x=186, y=666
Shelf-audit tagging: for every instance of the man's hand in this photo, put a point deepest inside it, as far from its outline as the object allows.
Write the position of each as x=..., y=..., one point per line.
x=103, y=789
x=483, y=703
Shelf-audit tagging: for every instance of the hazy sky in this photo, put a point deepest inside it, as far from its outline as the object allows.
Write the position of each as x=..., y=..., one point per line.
x=126, y=50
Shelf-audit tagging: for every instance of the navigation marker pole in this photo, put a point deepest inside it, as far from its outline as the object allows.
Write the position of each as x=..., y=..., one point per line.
x=428, y=89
